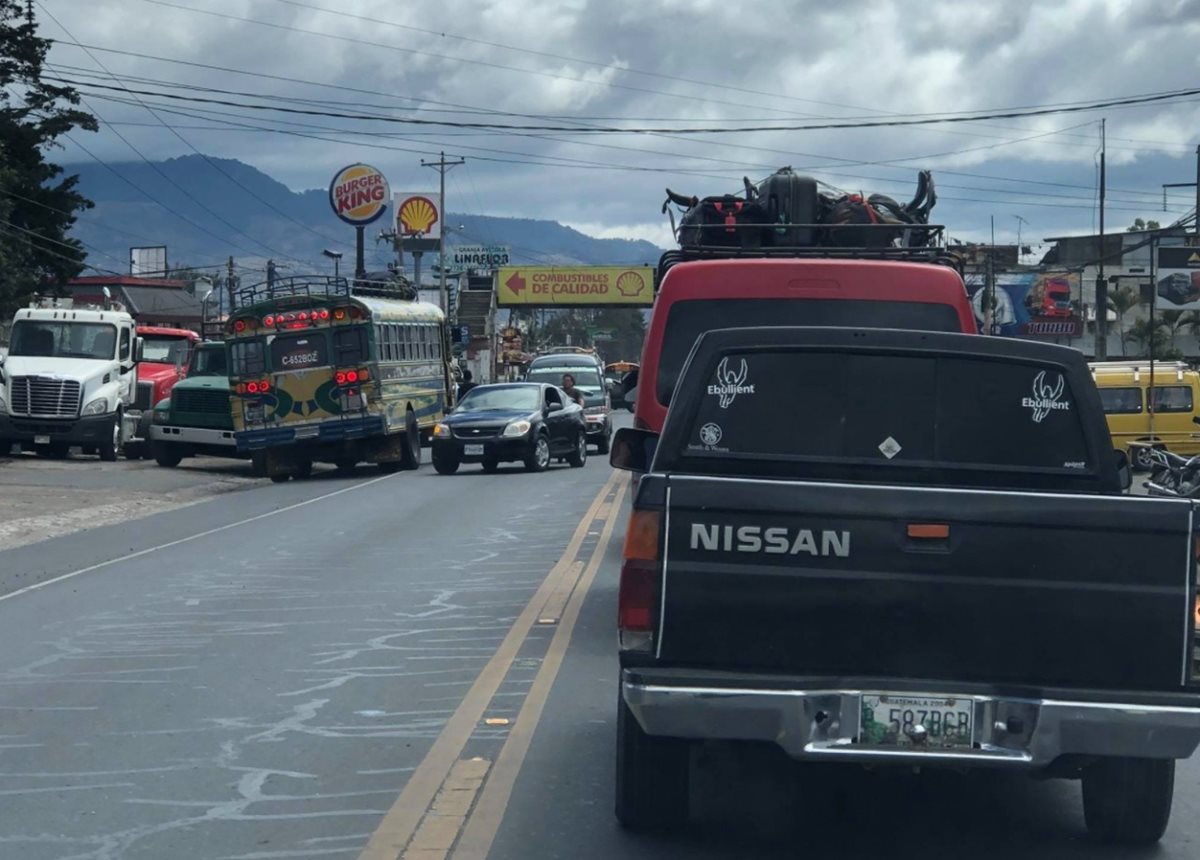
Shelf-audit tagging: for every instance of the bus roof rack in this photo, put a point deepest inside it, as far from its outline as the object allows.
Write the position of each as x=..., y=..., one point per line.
x=921, y=254
x=322, y=286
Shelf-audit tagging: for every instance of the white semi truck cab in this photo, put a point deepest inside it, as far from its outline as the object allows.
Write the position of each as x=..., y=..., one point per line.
x=69, y=379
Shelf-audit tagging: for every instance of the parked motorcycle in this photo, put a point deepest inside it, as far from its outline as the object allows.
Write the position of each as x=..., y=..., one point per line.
x=1172, y=475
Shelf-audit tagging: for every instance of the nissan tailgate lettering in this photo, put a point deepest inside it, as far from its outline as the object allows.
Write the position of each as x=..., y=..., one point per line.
x=775, y=541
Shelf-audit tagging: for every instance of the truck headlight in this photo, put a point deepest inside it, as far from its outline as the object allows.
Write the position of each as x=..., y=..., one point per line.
x=160, y=416
x=97, y=407
x=517, y=428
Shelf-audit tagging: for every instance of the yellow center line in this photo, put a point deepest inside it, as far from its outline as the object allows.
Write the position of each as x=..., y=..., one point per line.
x=484, y=821
x=401, y=821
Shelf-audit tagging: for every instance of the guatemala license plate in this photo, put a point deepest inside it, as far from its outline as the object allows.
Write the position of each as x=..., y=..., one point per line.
x=473, y=450
x=41, y=440
x=916, y=722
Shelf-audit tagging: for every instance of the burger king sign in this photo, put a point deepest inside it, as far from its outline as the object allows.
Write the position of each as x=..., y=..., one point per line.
x=359, y=194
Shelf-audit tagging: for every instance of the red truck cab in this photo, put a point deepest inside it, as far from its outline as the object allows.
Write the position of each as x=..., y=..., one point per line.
x=1056, y=298
x=165, y=356
x=700, y=295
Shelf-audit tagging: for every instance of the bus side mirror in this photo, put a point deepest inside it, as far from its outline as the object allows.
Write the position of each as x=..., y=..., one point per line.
x=632, y=449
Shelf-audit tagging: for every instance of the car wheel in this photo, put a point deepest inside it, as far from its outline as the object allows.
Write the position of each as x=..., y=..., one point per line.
x=490, y=464
x=652, y=776
x=444, y=463
x=112, y=443
x=1128, y=800
x=411, y=458
x=578, y=457
x=167, y=456
x=538, y=459
x=605, y=442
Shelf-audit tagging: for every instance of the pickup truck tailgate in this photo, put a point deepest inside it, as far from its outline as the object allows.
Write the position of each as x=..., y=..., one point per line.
x=1026, y=588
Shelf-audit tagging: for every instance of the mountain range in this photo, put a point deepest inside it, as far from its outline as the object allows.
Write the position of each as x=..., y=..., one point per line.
x=206, y=209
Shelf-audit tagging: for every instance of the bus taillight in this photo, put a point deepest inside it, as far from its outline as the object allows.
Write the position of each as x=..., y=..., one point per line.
x=254, y=387
x=350, y=377
x=323, y=314
x=268, y=320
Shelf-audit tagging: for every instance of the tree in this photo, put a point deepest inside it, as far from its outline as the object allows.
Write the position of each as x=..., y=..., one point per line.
x=37, y=203
x=1139, y=225
x=1171, y=320
x=1122, y=301
x=1150, y=334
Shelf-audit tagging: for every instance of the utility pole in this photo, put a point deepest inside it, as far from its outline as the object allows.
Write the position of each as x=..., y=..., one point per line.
x=442, y=165
x=989, y=313
x=1101, y=348
x=229, y=284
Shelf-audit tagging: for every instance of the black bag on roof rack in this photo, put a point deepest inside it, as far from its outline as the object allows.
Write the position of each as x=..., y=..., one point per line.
x=726, y=222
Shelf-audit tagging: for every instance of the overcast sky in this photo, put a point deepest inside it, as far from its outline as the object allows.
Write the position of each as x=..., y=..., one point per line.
x=672, y=63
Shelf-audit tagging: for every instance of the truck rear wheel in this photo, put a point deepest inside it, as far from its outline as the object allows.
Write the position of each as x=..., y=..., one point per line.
x=166, y=455
x=111, y=444
x=1128, y=800
x=652, y=776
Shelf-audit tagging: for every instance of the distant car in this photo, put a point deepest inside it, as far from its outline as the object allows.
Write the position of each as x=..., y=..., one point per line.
x=527, y=422
x=588, y=373
x=1179, y=288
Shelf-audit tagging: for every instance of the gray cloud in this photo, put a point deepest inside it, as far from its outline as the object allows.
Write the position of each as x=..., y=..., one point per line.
x=713, y=61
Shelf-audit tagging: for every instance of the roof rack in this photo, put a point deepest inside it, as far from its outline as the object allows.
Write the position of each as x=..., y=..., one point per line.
x=320, y=287
x=1139, y=364
x=937, y=254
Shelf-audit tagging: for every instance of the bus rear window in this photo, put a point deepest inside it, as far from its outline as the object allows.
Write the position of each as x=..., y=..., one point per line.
x=299, y=351
x=688, y=320
x=882, y=411
x=246, y=357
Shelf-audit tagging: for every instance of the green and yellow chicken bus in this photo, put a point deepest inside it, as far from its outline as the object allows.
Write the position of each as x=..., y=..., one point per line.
x=321, y=372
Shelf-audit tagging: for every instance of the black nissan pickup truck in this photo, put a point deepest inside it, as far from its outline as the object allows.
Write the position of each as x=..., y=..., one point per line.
x=882, y=547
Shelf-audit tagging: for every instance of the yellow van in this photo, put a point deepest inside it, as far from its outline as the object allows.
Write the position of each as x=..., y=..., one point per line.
x=1124, y=387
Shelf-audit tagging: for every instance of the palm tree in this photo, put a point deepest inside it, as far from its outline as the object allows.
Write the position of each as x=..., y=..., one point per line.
x=1122, y=301
x=1171, y=320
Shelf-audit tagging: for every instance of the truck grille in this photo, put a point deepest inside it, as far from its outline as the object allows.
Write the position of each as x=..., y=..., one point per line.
x=145, y=396
x=204, y=400
x=42, y=397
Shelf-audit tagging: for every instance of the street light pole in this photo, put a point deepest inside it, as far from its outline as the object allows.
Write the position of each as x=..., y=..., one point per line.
x=442, y=165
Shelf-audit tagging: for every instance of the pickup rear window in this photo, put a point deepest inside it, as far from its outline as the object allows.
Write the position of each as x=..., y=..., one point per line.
x=688, y=320
x=880, y=411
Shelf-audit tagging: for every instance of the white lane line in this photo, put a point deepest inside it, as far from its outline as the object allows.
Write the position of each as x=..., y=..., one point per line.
x=189, y=538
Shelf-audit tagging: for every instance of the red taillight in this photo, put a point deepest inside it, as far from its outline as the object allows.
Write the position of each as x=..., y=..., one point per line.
x=324, y=314
x=268, y=320
x=340, y=377
x=263, y=387
x=352, y=376
x=239, y=325
x=362, y=375
x=303, y=315
x=637, y=598
x=252, y=387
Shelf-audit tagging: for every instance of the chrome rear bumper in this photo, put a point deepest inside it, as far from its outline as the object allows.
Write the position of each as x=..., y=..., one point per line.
x=823, y=724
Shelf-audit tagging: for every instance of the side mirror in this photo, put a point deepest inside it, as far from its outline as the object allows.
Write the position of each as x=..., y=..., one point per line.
x=1124, y=473
x=139, y=347
x=554, y=407
x=633, y=449
x=1195, y=419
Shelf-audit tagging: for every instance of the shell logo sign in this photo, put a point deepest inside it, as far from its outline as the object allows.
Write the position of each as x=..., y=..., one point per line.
x=418, y=214
x=550, y=286
x=359, y=194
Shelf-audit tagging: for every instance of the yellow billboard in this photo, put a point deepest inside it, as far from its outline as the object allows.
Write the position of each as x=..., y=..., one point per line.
x=564, y=286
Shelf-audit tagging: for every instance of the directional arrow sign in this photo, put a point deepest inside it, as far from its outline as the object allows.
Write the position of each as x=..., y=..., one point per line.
x=516, y=283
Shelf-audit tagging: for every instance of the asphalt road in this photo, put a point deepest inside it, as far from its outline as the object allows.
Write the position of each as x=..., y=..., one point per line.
x=366, y=667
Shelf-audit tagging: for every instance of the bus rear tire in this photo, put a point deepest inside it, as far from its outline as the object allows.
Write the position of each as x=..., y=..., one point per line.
x=411, y=452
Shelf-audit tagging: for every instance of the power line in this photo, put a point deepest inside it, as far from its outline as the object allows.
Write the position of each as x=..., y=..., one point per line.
x=954, y=117
x=30, y=236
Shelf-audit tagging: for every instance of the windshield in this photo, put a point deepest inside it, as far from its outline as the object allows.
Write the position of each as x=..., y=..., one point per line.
x=208, y=361
x=64, y=339
x=165, y=350
x=690, y=319
x=586, y=379
x=510, y=398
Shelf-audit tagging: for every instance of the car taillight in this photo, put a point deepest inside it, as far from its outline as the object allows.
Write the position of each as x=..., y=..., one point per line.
x=637, y=598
